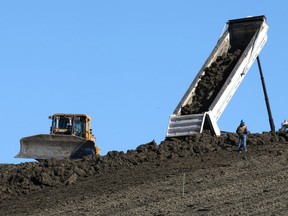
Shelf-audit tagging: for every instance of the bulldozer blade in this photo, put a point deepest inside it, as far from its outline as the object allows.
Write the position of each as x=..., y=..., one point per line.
x=46, y=146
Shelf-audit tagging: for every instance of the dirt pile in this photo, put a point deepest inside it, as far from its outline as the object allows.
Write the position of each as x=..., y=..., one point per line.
x=211, y=83
x=30, y=177
x=196, y=175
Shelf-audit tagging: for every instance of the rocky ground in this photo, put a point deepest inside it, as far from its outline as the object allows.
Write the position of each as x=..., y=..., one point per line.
x=197, y=175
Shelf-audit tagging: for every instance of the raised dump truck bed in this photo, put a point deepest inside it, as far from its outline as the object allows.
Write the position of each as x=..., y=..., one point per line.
x=220, y=76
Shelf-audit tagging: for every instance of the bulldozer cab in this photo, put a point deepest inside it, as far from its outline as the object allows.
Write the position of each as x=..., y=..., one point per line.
x=70, y=137
x=71, y=124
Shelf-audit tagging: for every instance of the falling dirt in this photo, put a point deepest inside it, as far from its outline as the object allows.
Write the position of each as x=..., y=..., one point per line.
x=211, y=83
x=196, y=175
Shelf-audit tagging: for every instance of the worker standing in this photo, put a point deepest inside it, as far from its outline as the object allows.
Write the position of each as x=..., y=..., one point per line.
x=242, y=134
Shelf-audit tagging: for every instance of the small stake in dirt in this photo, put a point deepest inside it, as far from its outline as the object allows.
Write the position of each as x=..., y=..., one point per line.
x=183, y=185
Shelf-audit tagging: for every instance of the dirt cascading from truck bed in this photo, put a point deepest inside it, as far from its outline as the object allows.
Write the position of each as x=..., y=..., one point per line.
x=211, y=83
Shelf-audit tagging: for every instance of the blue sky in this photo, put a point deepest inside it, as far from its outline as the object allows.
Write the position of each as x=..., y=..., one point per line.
x=127, y=64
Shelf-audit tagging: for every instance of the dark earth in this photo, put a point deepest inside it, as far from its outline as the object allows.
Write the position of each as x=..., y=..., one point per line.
x=211, y=82
x=196, y=175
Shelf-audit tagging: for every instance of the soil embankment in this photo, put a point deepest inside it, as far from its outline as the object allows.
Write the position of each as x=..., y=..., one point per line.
x=197, y=175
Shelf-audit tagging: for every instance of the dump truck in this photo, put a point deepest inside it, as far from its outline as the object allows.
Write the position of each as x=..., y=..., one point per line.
x=218, y=79
x=70, y=138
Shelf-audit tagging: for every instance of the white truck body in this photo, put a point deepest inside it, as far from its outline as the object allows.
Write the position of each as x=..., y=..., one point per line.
x=247, y=34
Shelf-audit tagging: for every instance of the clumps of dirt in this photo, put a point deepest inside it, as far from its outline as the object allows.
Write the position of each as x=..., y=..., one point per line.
x=211, y=83
x=29, y=177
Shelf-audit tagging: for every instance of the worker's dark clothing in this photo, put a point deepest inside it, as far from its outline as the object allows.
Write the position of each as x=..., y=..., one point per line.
x=242, y=133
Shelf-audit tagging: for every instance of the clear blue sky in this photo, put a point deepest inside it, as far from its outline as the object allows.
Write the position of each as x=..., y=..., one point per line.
x=127, y=64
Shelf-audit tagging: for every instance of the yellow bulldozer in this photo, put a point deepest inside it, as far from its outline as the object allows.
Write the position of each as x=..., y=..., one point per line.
x=70, y=138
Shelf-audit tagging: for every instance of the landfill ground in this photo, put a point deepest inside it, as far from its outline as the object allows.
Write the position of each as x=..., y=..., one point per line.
x=197, y=175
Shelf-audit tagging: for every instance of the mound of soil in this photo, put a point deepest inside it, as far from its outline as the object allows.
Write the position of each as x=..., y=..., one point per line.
x=211, y=83
x=195, y=175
